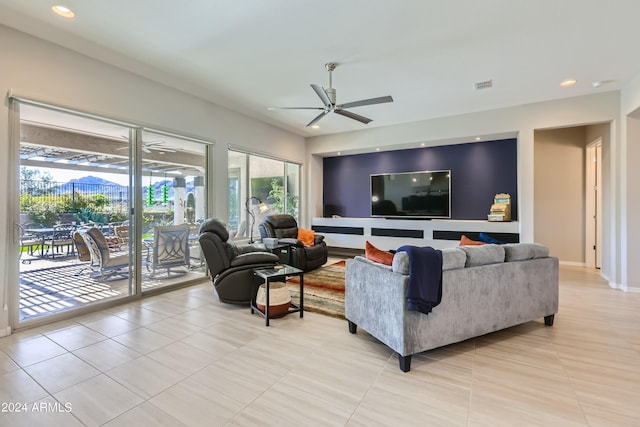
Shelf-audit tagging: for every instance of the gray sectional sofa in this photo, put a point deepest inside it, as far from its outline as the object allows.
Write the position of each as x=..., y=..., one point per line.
x=484, y=289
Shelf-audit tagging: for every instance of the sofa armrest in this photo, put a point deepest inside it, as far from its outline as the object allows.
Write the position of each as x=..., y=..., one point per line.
x=375, y=300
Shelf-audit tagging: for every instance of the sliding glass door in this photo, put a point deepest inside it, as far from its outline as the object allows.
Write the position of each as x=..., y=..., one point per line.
x=81, y=179
x=174, y=205
x=74, y=200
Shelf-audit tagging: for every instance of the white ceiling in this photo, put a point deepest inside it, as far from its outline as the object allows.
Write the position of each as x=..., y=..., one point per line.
x=252, y=54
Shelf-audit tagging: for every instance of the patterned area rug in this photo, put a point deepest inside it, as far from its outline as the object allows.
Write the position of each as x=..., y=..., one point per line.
x=323, y=289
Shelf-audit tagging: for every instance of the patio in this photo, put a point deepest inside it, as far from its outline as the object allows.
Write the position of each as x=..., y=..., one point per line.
x=52, y=285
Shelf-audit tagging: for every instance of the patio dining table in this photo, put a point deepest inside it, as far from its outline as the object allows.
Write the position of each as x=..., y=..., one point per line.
x=40, y=232
x=43, y=233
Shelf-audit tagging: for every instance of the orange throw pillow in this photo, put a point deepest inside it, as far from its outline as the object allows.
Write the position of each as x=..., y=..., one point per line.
x=307, y=237
x=465, y=241
x=374, y=254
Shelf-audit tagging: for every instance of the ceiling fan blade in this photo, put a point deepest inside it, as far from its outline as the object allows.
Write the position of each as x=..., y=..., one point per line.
x=353, y=116
x=295, y=108
x=371, y=101
x=317, y=119
x=322, y=94
x=160, y=149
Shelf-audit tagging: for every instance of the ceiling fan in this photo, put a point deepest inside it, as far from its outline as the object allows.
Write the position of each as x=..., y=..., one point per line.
x=328, y=98
x=157, y=145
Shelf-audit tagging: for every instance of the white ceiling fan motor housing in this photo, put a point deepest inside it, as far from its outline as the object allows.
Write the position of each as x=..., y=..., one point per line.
x=331, y=93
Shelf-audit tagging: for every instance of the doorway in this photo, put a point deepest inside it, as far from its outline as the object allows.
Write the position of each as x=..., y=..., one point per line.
x=570, y=191
x=593, y=204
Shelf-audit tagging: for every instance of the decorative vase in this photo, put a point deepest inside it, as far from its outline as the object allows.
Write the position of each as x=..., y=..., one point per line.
x=279, y=299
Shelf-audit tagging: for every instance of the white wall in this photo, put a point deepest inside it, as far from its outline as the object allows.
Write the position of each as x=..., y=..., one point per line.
x=37, y=69
x=629, y=176
x=520, y=121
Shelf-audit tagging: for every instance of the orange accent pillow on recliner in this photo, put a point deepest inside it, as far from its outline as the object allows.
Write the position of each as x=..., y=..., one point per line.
x=465, y=241
x=307, y=237
x=374, y=254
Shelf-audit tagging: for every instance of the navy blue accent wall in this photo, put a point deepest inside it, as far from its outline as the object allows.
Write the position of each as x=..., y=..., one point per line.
x=479, y=170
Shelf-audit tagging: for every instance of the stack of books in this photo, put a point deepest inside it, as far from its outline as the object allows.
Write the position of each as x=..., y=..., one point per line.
x=501, y=208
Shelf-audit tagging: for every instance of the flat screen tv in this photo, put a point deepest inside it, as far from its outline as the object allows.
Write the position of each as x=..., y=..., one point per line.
x=425, y=194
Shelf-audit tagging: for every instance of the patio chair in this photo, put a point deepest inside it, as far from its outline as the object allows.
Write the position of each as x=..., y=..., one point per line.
x=84, y=253
x=29, y=241
x=170, y=249
x=102, y=259
x=60, y=237
x=122, y=233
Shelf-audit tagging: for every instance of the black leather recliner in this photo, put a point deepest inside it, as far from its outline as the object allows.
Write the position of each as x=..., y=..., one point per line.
x=232, y=266
x=285, y=228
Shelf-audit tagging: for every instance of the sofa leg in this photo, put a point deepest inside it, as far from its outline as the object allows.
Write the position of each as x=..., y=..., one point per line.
x=548, y=320
x=405, y=362
x=352, y=327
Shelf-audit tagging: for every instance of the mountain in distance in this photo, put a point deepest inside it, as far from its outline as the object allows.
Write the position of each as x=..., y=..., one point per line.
x=89, y=184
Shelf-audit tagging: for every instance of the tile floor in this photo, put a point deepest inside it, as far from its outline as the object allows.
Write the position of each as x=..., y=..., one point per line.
x=184, y=359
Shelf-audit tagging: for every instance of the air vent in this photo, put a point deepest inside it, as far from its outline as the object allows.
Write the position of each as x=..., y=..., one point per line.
x=483, y=85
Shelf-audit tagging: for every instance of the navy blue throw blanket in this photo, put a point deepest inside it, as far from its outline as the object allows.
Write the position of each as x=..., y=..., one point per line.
x=424, y=290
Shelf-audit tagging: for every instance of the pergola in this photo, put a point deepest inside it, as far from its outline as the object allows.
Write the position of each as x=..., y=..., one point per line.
x=45, y=146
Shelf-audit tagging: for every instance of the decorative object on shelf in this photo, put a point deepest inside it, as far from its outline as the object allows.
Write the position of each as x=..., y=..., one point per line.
x=279, y=299
x=501, y=208
x=262, y=207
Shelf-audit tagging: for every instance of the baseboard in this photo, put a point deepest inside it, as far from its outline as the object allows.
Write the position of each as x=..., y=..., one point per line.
x=625, y=288
x=344, y=252
x=5, y=332
x=572, y=263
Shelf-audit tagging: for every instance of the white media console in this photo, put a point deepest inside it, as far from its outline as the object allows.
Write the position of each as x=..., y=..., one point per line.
x=388, y=234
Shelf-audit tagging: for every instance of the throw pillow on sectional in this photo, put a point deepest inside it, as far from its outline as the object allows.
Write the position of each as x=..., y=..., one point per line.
x=488, y=239
x=374, y=254
x=465, y=241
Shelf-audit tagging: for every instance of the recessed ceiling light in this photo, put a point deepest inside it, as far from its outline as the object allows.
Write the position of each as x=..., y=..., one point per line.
x=478, y=138
x=600, y=83
x=422, y=144
x=377, y=148
x=339, y=153
x=315, y=127
x=63, y=11
x=568, y=82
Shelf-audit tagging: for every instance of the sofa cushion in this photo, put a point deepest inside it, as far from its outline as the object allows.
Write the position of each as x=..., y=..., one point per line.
x=524, y=251
x=377, y=255
x=453, y=258
x=483, y=255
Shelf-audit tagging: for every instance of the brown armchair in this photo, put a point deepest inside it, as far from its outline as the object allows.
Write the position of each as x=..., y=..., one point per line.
x=285, y=228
